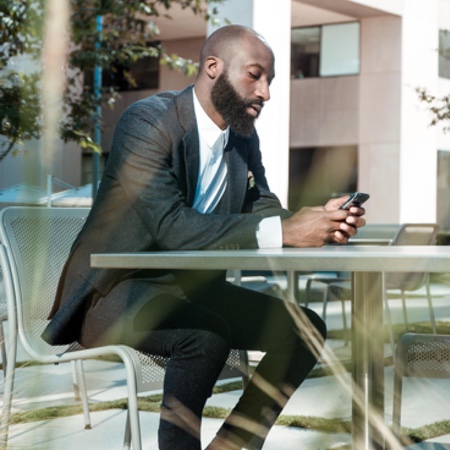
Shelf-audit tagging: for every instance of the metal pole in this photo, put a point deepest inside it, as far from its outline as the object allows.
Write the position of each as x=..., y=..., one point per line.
x=367, y=349
x=97, y=130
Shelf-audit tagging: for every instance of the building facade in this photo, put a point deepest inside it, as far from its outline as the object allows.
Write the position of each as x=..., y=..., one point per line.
x=344, y=113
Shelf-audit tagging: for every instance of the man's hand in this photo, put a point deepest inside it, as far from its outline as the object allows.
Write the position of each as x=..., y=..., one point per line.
x=318, y=225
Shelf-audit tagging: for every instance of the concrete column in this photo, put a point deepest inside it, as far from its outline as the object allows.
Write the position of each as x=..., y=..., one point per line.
x=273, y=21
x=418, y=148
x=397, y=148
x=379, y=116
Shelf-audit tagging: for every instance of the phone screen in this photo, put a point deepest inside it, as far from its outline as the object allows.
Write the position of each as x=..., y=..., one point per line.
x=356, y=199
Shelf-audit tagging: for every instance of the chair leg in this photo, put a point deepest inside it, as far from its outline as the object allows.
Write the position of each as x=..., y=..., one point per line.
x=245, y=373
x=76, y=387
x=397, y=403
x=308, y=290
x=81, y=387
x=8, y=389
x=127, y=435
x=3, y=348
x=405, y=313
x=389, y=322
x=344, y=320
x=430, y=305
x=401, y=357
x=325, y=304
x=132, y=430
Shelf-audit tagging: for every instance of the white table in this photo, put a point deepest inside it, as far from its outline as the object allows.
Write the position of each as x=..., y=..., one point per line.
x=366, y=264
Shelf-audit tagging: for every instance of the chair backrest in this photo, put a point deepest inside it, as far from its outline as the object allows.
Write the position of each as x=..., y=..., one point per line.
x=379, y=231
x=37, y=242
x=412, y=234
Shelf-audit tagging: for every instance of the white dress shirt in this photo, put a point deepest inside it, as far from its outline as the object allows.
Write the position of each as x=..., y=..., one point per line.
x=212, y=180
x=212, y=177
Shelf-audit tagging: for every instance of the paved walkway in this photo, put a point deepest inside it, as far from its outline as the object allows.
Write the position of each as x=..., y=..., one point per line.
x=424, y=402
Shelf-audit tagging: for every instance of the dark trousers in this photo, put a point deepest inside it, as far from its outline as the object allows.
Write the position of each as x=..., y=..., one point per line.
x=197, y=333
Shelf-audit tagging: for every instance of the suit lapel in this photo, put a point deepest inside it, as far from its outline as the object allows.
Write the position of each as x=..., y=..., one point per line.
x=190, y=149
x=189, y=145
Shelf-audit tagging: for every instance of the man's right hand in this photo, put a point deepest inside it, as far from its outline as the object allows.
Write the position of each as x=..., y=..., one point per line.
x=316, y=226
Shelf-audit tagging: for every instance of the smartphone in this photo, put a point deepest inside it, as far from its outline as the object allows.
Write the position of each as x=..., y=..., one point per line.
x=356, y=199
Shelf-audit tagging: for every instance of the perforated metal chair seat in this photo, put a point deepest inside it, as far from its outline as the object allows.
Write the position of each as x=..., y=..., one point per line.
x=421, y=356
x=3, y=312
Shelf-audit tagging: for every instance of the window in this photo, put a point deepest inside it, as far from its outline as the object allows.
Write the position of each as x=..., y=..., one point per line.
x=443, y=189
x=145, y=73
x=339, y=50
x=319, y=173
x=328, y=50
x=305, y=51
x=444, y=53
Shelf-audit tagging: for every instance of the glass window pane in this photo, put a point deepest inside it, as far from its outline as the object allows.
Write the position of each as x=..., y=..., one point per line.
x=305, y=47
x=444, y=53
x=339, y=52
x=443, y=189
x=317, y=174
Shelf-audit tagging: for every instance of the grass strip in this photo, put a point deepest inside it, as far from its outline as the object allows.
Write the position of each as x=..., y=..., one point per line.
x=152, y=404
x=334, y=425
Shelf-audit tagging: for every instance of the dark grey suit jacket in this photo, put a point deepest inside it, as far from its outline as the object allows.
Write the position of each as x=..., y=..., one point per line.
x=144, y=203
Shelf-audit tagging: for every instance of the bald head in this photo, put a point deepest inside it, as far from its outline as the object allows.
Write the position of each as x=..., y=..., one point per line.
x=236, y=69
x=224, y=41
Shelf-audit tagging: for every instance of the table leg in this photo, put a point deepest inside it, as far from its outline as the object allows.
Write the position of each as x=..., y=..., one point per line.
x=292, y=286
x=367, y=361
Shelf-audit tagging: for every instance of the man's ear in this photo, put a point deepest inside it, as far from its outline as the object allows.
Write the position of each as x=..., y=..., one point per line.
x=213, y=67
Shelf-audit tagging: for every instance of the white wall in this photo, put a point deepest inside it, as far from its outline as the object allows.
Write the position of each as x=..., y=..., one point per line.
x=379, y=116
x=324, y=111
x=273, y=126
x=418, y=162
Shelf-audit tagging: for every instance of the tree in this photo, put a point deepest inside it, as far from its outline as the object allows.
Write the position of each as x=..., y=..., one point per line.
x=128, y=34
x=19, y=89
x=439, y=106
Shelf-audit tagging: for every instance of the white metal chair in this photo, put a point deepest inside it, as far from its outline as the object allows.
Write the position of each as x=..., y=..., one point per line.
x=407, y=234
x=374, y=234
x=418, y=355
x=35, y=246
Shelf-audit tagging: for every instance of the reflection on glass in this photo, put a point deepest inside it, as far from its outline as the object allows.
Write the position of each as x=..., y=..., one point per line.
x=339, y=50
x=305, y=47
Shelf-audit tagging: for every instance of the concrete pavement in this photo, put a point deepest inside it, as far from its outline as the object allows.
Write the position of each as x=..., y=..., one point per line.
x=424, y=402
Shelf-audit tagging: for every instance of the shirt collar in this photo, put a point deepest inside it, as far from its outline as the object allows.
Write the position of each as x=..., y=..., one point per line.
x=207, y=129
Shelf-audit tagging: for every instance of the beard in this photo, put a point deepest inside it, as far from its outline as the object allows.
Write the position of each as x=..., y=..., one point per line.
x=232, y=107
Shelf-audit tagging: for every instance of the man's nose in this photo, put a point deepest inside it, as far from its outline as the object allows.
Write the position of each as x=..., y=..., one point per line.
x=263, y=90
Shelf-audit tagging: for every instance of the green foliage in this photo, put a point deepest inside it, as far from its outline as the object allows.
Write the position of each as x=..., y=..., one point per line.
x=439, y=107
x=20, y=34
x=128, y=33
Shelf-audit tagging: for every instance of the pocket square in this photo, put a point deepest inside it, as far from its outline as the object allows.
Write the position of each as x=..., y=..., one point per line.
x=250, y=180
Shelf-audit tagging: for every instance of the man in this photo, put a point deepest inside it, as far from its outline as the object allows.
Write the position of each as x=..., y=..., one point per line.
x=185, y=172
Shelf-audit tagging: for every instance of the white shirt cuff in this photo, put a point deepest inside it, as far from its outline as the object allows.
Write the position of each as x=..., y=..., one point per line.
x=269, y=233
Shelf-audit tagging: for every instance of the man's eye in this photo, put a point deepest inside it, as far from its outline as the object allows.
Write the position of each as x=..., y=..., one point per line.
x=254, y=75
